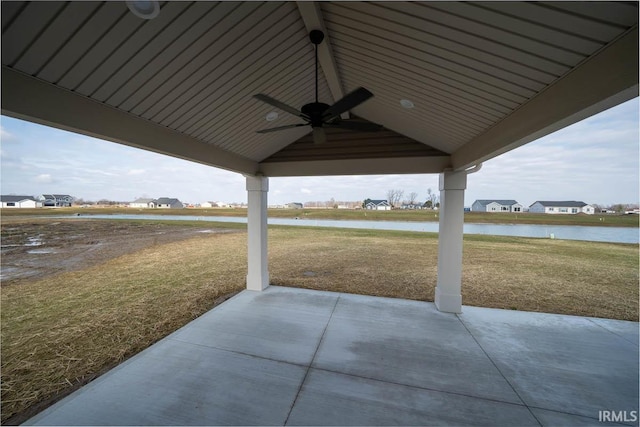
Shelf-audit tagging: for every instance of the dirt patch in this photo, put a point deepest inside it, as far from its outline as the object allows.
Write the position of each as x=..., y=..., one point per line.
x=35, y=249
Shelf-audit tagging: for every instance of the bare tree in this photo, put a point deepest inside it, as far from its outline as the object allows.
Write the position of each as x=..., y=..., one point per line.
x=394, y=197
x=413, y=196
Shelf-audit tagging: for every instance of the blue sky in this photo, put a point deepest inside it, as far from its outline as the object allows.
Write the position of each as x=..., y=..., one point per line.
x=595, y=161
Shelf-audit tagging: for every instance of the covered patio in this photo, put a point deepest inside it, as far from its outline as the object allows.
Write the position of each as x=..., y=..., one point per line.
x=289, y=356
x=453, y=84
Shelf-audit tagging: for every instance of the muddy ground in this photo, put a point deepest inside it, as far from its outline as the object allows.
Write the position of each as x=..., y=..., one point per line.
x=33, y=249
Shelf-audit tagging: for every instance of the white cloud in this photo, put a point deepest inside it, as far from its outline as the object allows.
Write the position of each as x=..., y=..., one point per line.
x=305, y=191
x=44, y=178
x=136, y=171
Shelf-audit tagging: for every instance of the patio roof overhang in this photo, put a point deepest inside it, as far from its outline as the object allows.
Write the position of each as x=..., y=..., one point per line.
x=484, y=77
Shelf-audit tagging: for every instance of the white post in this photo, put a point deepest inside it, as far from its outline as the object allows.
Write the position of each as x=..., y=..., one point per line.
x=448, y=296
x=257, y=261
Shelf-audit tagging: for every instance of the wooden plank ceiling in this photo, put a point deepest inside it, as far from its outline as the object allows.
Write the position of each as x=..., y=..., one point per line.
x=191, y=73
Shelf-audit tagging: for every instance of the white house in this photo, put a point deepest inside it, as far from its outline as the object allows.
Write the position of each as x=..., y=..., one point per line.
x=143, y=203
x=58, y=200
x=496, y=206
x=561, y=207
x=378, y=205
x=20, y=202
x=295, y=205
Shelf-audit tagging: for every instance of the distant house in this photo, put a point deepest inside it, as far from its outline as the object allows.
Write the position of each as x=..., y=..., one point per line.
x=496, y=206
x=57, y=200
x=143, y=203
x=168, y=203
x=411, y=206
x=20, y=202
x=561, y=207
x=295, y=205
x=378, y=205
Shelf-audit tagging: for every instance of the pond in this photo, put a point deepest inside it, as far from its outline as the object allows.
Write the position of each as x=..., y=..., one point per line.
x=568, y=232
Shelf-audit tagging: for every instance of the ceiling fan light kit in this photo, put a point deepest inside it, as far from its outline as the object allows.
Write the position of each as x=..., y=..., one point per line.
x=319, y=115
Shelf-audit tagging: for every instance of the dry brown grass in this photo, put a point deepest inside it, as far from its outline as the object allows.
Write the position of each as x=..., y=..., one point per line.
x=63, y=330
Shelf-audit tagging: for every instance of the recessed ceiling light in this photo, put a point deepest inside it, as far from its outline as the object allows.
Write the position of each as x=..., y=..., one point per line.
x=145, y=9
x=271, y=116
x=406, y=104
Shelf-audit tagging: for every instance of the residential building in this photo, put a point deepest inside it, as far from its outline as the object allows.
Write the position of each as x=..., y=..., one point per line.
x=295, y=205
x=143, y=203
x=377, y=205
x=19, y=202
x=57, y=200
x=561, y=207
x=168, y=203
x=496, y=206
x=411, y=206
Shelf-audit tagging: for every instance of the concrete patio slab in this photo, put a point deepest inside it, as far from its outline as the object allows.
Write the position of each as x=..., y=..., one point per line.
x=290, y=356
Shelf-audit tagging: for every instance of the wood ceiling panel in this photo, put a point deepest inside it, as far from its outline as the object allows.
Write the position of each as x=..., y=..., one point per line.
x=273, y=41
x=379, y=25
x=54, y=37
x=444, y=72
x=233, y=48
x=189, y=45
x=180, y=75
x=404, y=14
x=386, y=37
x=592, y=29
x=18, y=37
x=493, y=32
x=10, y=9
x=619, y=13
x=109, y=72
x=107, y=15
x=101, y=50
x=132, y=58
x=539, y=31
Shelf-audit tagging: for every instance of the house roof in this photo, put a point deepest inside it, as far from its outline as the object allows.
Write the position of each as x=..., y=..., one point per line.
x=378, y=202
x=56, y=196
x=500, y=202
x=143, y=200
x=12, y=198
x=167, y=201
x=562, y=204
x=484, y=77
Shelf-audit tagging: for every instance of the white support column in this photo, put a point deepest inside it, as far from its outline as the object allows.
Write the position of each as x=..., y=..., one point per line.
x=258, y=268
x=448, y=296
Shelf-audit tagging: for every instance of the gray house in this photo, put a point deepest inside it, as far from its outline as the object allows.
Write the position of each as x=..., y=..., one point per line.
x=378, y=205
x=295, y=205
x=496, y=206
x=57, y=200
x=168, y=203
x=562, y=207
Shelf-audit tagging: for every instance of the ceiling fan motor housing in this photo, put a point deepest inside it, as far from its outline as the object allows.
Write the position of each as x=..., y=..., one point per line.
x=314, y=111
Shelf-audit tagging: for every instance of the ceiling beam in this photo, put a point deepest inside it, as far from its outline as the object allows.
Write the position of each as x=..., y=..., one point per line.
x=381, y=166
x=25, y=97
x=312, y=17
x=603, y=81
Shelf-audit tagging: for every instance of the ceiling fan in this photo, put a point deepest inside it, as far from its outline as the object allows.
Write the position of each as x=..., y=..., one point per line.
x=319, y=115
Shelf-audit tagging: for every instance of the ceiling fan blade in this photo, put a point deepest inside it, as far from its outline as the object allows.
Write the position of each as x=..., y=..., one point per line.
x=319, y=136
x=347, y=102
x=281, y=128
x=358, y=126
x=281, y=105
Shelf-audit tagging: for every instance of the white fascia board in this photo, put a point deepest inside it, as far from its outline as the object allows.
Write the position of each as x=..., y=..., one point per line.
x=398, y=165
x=605, y=80
x=25, y=97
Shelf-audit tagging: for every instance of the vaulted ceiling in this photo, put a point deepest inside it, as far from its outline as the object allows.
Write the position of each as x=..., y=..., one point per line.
x=484, y=77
